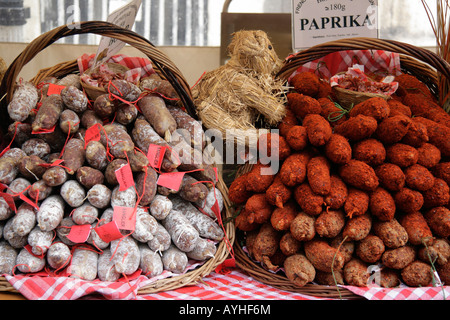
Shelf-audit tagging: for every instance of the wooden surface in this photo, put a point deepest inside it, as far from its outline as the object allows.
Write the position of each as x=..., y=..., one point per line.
x=11, y=296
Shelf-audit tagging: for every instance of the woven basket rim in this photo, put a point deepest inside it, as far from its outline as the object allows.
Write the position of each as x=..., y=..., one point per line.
x=414, y=60
x=168, y=69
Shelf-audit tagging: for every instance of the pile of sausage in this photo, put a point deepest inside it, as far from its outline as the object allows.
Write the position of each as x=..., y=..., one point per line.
x=77, y=163
x=358, y=191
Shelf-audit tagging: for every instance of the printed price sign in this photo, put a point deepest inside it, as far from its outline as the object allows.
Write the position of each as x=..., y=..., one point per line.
x=318, y=21
x=54, y=89
x=123, y=17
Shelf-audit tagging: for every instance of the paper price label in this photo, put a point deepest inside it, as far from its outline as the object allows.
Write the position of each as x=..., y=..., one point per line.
x=123, y=17
x=92, y=134
x=171, y=180
x=79, y=233
x=109, y=232
x=156, y=155
x=54, y=89
x=124, y=176
x=125, y=218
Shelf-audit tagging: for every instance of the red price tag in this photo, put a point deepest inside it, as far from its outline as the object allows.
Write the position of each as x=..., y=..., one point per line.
x=109, y=232
x=54, y=89
x=92, y=134
x=124, y=176
x=125, y=218
x=155, y=155
x=171, y=180
x=216, y=209
x=31, y=203
x=79, y=234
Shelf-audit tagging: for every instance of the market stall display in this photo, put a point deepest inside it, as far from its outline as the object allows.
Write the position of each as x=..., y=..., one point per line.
x=361, y=186
x=94, y=184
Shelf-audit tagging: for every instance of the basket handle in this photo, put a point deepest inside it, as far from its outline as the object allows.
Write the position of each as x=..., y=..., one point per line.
x=295, y=61
x=158, y=58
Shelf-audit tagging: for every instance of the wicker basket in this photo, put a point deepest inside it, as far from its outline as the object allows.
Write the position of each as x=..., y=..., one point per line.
x=349, y=98
x=165, y=68
x=416, y=61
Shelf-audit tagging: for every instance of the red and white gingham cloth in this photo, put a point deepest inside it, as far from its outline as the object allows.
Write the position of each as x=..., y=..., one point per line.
x=139, y=67
x=235, y=285
x=373, y=61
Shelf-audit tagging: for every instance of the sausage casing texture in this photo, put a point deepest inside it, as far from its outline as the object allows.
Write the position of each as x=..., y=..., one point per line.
x=183, y=234
x=84, y=264
x=24, y=100
x=50, y=213
x=205, y=225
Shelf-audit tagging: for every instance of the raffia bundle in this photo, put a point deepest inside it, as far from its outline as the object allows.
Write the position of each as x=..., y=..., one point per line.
x=3, y=68
x=233, y=97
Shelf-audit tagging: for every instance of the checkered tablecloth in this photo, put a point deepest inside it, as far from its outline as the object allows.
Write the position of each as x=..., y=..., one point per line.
x=235, y=285
x=373, y=61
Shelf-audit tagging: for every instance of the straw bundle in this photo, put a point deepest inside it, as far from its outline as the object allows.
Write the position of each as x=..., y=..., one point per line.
x=237, y=94
x=3, y=68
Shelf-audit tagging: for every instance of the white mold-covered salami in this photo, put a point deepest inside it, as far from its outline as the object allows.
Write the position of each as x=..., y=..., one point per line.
x=5, y=210
x=36, y=147
x=99, y=196
x=151, y=263
x=70, y=80
x=24, y=100
x=160, y=207
x=40, y=241
x=183, y=234
x=39, y=190
x=106, y=269
x=146, y=225
x=16, y=154
x=8, y=170
x=8, y=256
x=161, y=239
x=84, y=264
x=50, y=213
x=28, y=263
x=126, y=255
x=73, y=193
x=126, y=198
x=85, y=214
x=207, y=204
x=174, y=260
x=205, y=249
x=19, y=185
x=205, y=225
x=15, y=240
x=25, y=219
x=58, y=255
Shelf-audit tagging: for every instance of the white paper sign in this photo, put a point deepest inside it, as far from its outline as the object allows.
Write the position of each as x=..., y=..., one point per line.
x=123, y=17
x=318, y=21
